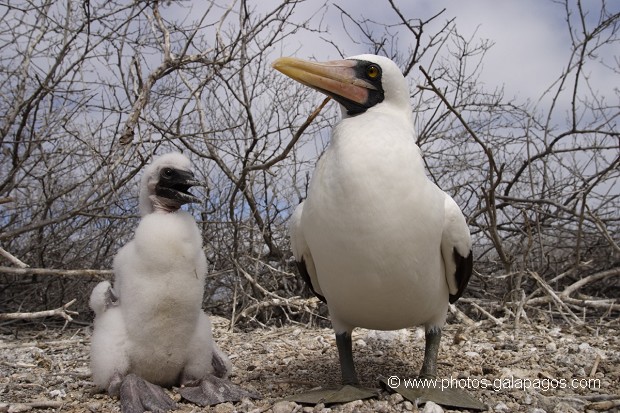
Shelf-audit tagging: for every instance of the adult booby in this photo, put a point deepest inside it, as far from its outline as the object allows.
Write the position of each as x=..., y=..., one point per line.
x=149, y=329
x=375, y=239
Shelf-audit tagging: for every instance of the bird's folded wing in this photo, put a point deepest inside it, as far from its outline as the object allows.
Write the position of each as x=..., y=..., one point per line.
x=303, y=257
x=456, y=249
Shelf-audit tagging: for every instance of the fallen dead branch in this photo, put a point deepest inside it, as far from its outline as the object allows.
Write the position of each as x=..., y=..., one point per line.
x=604, y=406
x=614, y=272
x=57, y=312
x=553, y=296
x=56, y=272
x=564, y=298
x=26, y=406
x=295, y=303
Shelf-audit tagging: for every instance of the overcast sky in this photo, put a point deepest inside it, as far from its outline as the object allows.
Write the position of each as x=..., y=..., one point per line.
x=531, y=38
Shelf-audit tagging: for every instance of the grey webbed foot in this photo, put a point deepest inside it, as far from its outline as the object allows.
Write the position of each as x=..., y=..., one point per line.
x=344, y=394
x=138, y=395
x=214, y=390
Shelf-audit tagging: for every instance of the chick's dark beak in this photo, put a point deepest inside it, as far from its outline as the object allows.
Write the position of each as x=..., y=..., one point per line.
x=174, y=184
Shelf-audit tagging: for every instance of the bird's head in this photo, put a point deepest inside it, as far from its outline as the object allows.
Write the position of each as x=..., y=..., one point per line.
x=358, y=83
x=165, y=184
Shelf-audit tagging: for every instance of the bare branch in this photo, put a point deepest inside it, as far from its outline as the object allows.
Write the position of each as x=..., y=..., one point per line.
x=14, y=260
x=58, y=312
x=56, y=273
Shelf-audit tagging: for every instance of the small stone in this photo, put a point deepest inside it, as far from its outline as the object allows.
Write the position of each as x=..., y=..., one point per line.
x=431, y=407
x=284, y=407
x=18, y=408
x=351, y=407
x=224, y=408
x=245, y=405
x=58, y=394
x=95, y=406
x=396, y=398
x=563, y=407
x=551, y=346
x=501, y=407
x=380, y=406
x=408, y=406
x=584, y=348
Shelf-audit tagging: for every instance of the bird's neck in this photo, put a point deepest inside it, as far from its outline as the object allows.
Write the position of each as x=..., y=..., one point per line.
x=163, y=205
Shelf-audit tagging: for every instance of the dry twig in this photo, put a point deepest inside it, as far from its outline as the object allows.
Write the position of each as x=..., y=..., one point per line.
x=56, y=272
x=13, y=259
x=561, y=305
x=26, y=406
x=60, y=311
x=604, y=406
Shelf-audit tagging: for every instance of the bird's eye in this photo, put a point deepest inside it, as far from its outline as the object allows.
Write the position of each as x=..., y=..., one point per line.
x=373, y=71
x=167, y=172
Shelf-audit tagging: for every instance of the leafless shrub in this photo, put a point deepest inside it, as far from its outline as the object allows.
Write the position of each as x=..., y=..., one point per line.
x=91, y=91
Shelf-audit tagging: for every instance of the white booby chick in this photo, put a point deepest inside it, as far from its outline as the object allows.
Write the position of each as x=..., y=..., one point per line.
x=380, y=243
x=149, y=328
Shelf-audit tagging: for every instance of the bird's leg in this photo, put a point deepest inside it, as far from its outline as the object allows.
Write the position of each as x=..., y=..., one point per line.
x=345, y=355
x=429, y=388
x=114, y=387
x=213, y=390
x=350, y=389
x=429, y=367
x=138, y=395
x=220, y=369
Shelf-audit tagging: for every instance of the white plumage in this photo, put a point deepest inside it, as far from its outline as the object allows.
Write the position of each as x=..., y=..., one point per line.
x=151, y=323
x=159, y=283
x=383, y=245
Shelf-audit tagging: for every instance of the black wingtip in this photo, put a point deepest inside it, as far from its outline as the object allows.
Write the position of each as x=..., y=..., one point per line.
x=464, y=269
x=303, y=271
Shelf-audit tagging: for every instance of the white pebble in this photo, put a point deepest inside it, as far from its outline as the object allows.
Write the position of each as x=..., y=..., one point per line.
x=431, y=407
x=396, y=398
x=284, y=407
x=585, y=348
x=501, y=407
x=58, y=394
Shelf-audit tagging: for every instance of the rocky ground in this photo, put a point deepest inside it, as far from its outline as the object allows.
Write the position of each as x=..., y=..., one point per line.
x=536, y=369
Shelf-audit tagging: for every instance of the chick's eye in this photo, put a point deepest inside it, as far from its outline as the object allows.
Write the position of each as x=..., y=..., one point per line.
x=166, y=172
x=372, y=71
